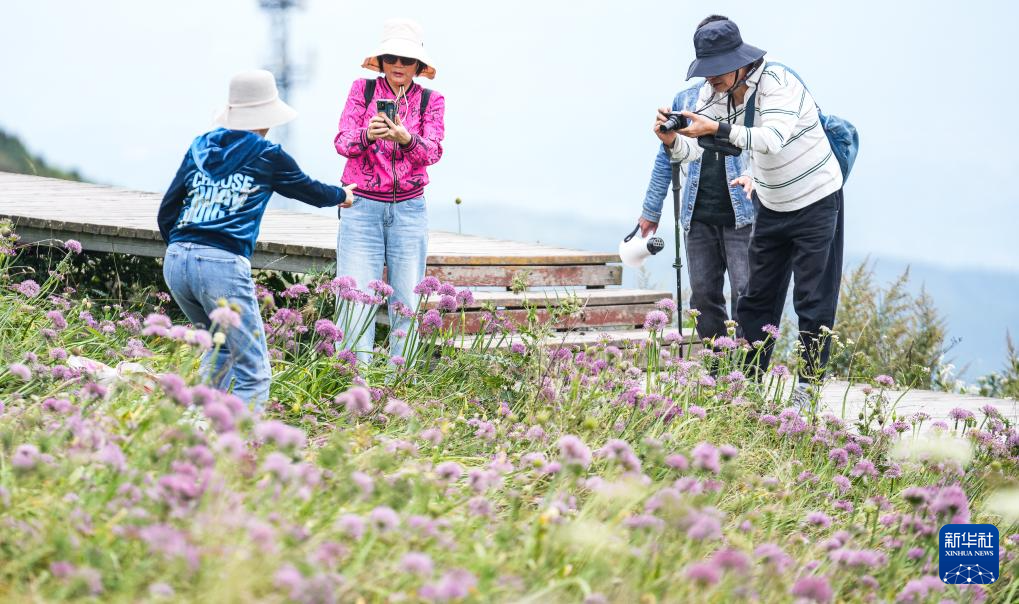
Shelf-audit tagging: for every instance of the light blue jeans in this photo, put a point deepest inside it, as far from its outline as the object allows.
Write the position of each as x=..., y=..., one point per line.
x=198, y=276
x=373, y=234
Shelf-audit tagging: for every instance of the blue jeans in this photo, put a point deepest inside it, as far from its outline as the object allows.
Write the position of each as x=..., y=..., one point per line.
x=711, y=252
x=373, y=234
x=198, y=276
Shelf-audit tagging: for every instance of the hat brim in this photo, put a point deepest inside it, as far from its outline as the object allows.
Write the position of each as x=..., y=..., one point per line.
x=716, y=65
x=270, y=115
x=401, y=48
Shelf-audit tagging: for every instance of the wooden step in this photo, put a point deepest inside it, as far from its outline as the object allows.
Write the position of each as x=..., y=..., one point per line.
x=620, y=338
x=619, y=308
x=540, y=275
x=552, y=297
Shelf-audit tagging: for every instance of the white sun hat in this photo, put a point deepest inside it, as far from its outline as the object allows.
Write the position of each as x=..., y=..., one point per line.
x=254, y=103
x=403, y=38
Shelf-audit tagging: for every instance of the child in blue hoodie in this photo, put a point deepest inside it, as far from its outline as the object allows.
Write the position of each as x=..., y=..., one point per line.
x=210, y=218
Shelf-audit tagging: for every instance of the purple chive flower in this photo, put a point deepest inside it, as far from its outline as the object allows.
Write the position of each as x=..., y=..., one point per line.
x=384, y=519
x=73, y=246
x=357, y=401
x=351, y=525
x=398, y=408
x=429, y=285
x=885, y=380
x=960, y=415
x=111, y=455
x=731, y=559
x=455, y=584
x=819, y=519
x=814, y=589
x=430, y=322
x=842, y=484
x=773, y=332
x=448, y=304
x=915, y=495
x=666, y=304
x=769, y=553
x=780, y=371
x=704, y=525
x=224, y=316
x=465, y=297
x=157, y=324
x=363, y=482
x=620, y=451
x=416, y=563
x=677, y=462
x=655, y=320
x=283, y=435
x=328, y=330
x=25, y=457
x=58, y=405
x=295, y=290
x=518, y=348
x=706, y=457
x=703, y=573
x=22, y=372
x=725, y=343
x=839, y=456
x=864, y=467
x=574, y=451
x=62, y=569
x=57, y=319
x=432, y=435
x=28, y=288
x=448, y=471
x=918, y=590
x=380, y=287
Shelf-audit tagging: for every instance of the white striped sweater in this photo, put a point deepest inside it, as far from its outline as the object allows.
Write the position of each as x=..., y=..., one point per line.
x=790, y=158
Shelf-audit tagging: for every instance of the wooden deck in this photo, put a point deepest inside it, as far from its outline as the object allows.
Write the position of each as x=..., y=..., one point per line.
x=112, y=219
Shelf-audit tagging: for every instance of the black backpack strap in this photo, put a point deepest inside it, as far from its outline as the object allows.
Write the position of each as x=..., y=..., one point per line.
x=369, y=91
x=426, y=93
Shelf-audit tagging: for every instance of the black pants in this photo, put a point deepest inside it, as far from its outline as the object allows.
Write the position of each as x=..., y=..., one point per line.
x=711, y=252
x=805, y=244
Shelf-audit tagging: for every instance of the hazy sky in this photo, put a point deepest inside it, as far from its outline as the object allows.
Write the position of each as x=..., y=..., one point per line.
x=549, y=103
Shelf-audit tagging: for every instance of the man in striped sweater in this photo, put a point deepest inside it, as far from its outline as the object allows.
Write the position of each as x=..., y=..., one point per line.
x=797, y=186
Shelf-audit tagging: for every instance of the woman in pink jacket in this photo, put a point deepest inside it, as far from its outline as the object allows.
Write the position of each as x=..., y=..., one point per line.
x=388, y=160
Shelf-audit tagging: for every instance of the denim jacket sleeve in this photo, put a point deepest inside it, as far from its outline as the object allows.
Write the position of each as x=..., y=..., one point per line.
x=661, y=174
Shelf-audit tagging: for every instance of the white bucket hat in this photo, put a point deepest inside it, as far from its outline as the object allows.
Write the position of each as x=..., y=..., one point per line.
x=403, y=38
x=254, y=103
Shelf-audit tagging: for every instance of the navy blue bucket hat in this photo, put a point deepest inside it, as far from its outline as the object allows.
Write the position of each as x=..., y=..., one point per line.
x=720, y=49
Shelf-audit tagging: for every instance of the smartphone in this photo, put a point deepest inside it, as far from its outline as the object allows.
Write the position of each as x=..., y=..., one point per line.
x=388, y=107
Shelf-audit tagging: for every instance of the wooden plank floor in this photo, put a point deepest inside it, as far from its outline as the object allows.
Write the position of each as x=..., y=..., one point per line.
x=116, y=216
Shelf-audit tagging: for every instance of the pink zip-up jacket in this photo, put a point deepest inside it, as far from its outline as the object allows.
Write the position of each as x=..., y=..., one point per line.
x=385, y=170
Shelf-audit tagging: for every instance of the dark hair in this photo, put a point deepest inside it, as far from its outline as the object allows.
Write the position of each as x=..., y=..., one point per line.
x=712, y=19
x=421, y=65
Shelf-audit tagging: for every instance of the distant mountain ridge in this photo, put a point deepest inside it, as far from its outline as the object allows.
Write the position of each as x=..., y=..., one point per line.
x=15, y=157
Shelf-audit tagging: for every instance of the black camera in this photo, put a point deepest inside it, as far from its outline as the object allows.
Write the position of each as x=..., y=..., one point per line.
x=676, y=121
